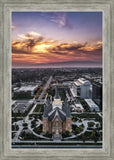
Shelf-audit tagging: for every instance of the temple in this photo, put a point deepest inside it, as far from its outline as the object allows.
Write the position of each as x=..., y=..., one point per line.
x=57, y=117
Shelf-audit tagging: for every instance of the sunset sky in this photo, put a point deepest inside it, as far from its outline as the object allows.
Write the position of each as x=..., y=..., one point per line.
x=56, y=39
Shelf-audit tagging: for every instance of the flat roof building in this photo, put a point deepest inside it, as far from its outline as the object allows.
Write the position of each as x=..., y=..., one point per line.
x=22, y=107
x=97, y=93
x=79, y=107
x=92, y=105
x=81, y=88
x=26, y=89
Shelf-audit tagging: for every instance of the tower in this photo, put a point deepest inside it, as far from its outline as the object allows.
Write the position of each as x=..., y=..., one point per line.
x=57, y=100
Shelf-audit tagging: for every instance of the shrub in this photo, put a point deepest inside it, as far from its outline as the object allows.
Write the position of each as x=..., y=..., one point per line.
x=25, y=124
x=80, y=120
x=91, y=124
x=39, y=108
x=49, y=135
x=97, y=125
x=77, y=130
x=66, y=134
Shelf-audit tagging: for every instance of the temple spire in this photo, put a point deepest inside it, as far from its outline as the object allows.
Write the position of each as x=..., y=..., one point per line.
x=56, y=93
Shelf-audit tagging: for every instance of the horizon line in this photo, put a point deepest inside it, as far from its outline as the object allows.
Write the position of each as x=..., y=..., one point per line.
x=55, y=67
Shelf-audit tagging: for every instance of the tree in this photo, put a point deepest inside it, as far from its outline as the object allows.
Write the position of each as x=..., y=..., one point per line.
x=25, y=124
x=48, y=135
x=67, y=133
x=97, y=125
x=91, y=124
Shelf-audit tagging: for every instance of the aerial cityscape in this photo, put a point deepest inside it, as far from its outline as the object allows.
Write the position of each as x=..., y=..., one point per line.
x=57, y=80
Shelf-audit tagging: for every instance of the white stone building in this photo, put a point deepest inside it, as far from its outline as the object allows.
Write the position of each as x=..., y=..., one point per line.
x=79, y=107
x=92, y=105
x=27, y=88
x=81, y=88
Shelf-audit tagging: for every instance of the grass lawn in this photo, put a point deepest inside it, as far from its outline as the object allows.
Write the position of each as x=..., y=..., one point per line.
x=39, y=108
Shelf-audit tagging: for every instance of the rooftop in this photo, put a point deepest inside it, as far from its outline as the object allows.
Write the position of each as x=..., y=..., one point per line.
x=27, y=88
x=91, y=103
x=57, y=112
x=13, y=102
x=79, y=106
x=82, y=81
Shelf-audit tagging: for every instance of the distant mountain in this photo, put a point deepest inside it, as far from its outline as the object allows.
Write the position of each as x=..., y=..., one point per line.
x=67, y=64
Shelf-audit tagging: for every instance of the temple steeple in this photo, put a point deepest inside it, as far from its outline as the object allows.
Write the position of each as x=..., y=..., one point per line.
x=57, y=100
x=56, y=93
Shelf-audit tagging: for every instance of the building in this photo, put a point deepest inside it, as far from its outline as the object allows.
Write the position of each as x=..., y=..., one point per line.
x=13, y=104
x=81, y=88
x=92, y=105
x=78, y=107
x=57, y=117
x=22, y=107
x=26, y=91
x=97, y=93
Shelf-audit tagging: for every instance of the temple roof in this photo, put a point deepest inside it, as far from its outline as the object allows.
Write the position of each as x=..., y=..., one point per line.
x=47, y=108
x=66, y=109
x=51, y=113
x=57, y=112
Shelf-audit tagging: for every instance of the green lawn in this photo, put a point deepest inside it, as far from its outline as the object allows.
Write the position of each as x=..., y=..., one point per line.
x=76, y=130
x=39, y=108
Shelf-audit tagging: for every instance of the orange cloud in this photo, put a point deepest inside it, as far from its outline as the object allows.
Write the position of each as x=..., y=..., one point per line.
x=92, y=47
x=33, y=48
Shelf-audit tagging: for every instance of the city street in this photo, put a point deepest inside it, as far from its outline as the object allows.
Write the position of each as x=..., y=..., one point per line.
x=44, y=88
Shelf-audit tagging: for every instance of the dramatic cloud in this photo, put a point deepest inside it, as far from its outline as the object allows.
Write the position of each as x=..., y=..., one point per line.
x=93, y=47
x=30, y=35
x=33, y=48
x=27, y=42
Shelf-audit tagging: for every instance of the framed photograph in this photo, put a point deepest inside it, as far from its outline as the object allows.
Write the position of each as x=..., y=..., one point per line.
x=56, y=79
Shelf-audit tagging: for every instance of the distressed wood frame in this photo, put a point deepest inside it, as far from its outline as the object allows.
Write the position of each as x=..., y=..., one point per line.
x=6, y=8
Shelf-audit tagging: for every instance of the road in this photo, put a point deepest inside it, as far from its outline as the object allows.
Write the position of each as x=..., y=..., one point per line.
x=27, y=117
x=57, y=146
x=64, y=142
x=19, y=123
x=44, y=89
x=61, y=144
x=99, y=113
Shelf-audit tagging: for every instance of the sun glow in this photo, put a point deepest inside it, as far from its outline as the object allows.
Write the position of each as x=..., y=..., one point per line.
x=41, y=48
